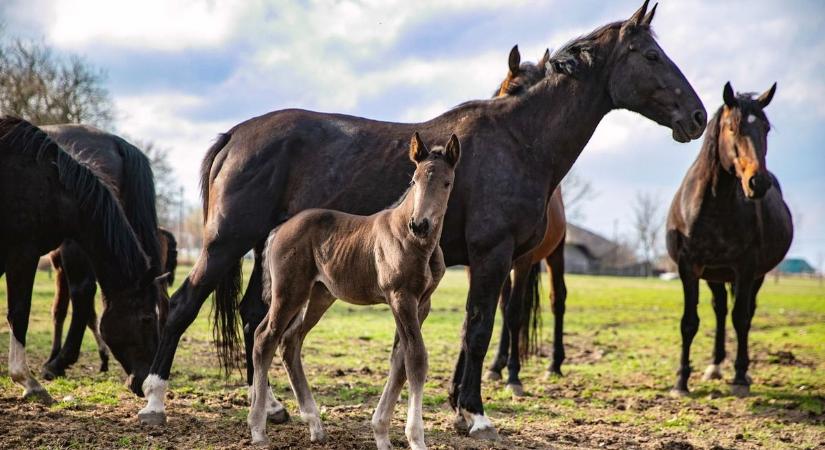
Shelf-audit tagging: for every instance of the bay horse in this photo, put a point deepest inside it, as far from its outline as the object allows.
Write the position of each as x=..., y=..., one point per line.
x=518, y=334
x=728, y=223
x=390, y=257
x=46, y=197
x=75, y=282
x=515, y=151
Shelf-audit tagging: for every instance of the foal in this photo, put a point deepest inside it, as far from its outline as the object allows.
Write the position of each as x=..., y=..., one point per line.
x=389, y=257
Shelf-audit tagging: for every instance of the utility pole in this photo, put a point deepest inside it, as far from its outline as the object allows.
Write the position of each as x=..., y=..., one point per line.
x=180, y=216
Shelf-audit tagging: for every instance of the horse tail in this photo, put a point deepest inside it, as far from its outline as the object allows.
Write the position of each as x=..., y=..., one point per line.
x=171, y=254
x=206, y=169
x=137, y=192
x=530, y=331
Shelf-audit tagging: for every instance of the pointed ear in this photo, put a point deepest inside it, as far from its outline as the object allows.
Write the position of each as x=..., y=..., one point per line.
x=515, y=60
x=649, y=17
x=637, y=17
x=418, y=151
x=728, y=96
x=453, y=151
x=766, y=97
x=544, y=59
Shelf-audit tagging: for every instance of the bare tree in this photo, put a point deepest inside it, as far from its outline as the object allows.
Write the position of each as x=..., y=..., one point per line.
x=576, y=192
x=648, y=223
x=44, y=88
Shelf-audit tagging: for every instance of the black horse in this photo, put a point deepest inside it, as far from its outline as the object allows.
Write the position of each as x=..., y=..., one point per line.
x=46, y=197
x=728, y=223
x=515, y=152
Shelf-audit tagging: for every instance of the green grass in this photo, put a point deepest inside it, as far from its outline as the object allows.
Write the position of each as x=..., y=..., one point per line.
x=623, y=345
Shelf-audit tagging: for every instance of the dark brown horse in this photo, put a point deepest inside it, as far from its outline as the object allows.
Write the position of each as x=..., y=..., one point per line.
x=728, y=223
x=46, y=197
x=390, y=257
x=75, y=282
x=518, y=333
x=515, y=151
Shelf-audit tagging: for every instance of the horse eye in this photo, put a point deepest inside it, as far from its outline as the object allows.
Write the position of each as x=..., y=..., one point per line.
x=652, y=55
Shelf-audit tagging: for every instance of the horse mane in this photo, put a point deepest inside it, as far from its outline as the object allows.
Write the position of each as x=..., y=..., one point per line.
x=94, y=196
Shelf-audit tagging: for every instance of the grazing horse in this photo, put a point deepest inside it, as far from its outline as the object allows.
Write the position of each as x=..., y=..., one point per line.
x=515, y=342
x=728, y=223
x=46, y=197
x=389, y=257
x=515, y=152
x=75, y=281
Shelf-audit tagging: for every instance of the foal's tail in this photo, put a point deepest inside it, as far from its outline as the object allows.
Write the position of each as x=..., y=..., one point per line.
x=530, y=331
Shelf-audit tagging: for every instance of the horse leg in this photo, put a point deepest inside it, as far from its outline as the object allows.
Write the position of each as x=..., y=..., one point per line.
x=82, y=293
x=60, y=307
x=744, y=306
x=512, y=317
x=102, y=348
x=19, y=283
x=489, y=268
x=689, y=326
x=494, y=372
x=555, y=269
x=319, y=301
x=720, y=307
x=253, y=310
x=288, y=299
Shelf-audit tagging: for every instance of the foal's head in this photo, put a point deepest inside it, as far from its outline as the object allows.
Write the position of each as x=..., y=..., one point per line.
x=521, y=76
x=431, y=183
x=743, y=139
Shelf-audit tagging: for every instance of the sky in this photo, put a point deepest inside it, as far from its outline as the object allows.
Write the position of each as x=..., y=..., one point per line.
x=182, y=71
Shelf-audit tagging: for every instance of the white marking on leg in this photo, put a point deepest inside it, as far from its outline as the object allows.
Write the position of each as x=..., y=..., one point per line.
x=713, y=372
x=476, y=422
x=19, y=368
x=273, y=406
x=154, y=387
x=415, y=422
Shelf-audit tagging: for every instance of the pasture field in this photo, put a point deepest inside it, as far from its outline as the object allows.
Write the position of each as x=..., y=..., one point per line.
x=622, y=354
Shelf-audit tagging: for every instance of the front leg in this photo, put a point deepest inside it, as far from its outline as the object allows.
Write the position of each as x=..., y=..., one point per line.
x=743, y=309
x=488, y=267
x=689, y=325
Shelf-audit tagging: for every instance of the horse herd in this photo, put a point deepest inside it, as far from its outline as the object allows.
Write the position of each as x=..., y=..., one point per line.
x=308, y=193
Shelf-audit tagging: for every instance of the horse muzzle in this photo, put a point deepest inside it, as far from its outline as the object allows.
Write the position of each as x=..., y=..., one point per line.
x=758, y=186
x=422, y=229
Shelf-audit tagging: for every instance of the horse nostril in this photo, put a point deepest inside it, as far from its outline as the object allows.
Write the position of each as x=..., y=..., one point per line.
x=699, y=117
x=425, y=225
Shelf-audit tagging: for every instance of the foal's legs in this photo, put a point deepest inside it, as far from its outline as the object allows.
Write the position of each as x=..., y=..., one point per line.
x=555, y=269
x=744, y=307
x=494, y=372
x=319, y=301
x=720, y=307
x=689, y=326
x=19, y=283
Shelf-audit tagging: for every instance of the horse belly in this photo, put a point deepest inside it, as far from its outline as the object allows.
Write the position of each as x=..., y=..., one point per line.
x=350, y=285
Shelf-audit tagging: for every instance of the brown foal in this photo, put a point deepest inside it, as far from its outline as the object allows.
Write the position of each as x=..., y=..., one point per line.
x=389, y=257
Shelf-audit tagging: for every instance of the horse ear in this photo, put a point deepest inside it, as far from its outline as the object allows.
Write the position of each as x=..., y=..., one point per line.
x=544, y=59
x=728, y=96
x=637, y=17
x=514, y=60
x=453, y=150
x=766, y=97
x=649, y=17
x=418, y=151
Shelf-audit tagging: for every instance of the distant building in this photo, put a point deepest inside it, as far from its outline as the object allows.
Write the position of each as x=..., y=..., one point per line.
x=590, y=253
x=795, y=266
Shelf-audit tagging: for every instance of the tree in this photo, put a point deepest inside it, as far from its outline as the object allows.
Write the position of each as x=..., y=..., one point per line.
x=576, y=191
x=648, y=225
x=45, y=88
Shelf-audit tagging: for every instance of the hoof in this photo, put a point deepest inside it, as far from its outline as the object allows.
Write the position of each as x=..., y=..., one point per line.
x=516, y=389
x=492, y=375
x=261, y=442
x=460, y=424
x=485, y=434
x=740, y=390
x=713, y=372
x=277, y=417
x=552, y=375
x=50, y=372
x=679, y=393
x=39, y=396
x=318, y=438
x=152, y=418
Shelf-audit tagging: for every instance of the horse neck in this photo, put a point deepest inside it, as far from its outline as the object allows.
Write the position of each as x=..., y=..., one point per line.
x=558, y=117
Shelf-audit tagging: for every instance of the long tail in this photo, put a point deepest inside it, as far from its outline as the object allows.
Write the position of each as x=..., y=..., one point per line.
x=530, y=333
x=226, y=324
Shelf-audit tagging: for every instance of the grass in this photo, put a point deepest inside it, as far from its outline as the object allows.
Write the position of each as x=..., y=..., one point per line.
x=623, y=342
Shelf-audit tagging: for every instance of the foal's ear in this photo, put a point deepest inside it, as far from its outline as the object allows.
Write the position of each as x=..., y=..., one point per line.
x=766, y=97
x=453, y=151
x=514, y=61
x=544, y=59
x=728, y=96
x=418, y=151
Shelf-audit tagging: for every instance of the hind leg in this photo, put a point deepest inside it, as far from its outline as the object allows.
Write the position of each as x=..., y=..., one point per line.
x=102, y=348
x=513, y=319
x=319, y=301
x=720, y=307
x=60, y=307
x=555, y=266
x=494, y=372
x=288, y=299
x=19, y=283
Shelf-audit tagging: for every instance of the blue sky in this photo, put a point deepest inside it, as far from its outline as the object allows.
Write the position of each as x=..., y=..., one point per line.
x=182, y=71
